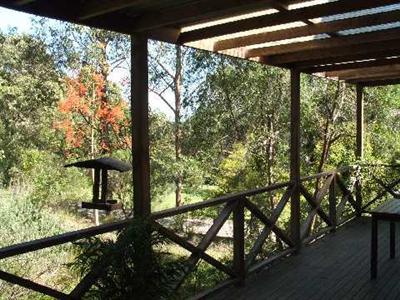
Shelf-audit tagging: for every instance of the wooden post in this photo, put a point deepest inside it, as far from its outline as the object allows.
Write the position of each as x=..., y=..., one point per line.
x=359, y=144
x=295, y=157
x=96, y=185
x=238, y=241
x=140, y=124
x=360, y=123
x=332, y=203
x=104, y=184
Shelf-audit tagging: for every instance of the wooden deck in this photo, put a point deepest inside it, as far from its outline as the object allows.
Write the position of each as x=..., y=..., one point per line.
x=336, y=267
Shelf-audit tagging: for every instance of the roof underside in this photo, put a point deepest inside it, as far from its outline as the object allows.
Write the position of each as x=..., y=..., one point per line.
x=357, y=41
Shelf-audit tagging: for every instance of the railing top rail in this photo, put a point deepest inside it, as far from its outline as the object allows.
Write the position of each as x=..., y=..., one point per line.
x=379, y=165
x=60, y=239
x=217, y=201
x=327, y=173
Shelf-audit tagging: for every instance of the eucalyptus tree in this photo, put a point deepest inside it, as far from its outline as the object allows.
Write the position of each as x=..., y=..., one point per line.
x=29, y=89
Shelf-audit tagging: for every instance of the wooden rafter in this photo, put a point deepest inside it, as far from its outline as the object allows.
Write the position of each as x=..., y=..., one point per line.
x=318, y=28
x=381, y=82
x=94, y=8
x=283, y=17
x=352, y=65
x=391, y=76
x=366, y=73
x=337, y=54
x=204, y=10
x=327, y=43
x=343, y=59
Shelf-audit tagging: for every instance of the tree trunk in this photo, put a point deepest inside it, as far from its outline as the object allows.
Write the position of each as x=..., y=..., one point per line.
x=178, y=127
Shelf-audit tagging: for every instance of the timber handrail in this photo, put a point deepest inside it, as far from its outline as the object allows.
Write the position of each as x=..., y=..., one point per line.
x=236, y=206
x=327, y=173
x=216, y=201
x=60, y=239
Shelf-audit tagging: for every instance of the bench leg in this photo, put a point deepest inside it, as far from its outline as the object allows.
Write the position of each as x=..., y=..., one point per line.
x=374, y=248
x=392, y=239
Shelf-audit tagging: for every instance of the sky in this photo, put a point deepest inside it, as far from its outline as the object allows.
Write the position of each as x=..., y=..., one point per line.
x=22, y=22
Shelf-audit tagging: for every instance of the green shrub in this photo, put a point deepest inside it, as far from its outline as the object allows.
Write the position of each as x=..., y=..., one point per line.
x=22, y=220
x=133, y=270
x=48, y=182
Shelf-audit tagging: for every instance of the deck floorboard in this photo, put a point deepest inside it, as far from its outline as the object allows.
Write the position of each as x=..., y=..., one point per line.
x=335, y=267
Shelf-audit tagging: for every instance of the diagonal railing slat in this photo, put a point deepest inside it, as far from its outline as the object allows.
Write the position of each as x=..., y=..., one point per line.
x=26, y=283
x=263, y=218
x=255, y=250
x=193, y=249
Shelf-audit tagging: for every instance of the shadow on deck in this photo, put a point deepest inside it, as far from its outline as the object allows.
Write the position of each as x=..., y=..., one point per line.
x=335, y=267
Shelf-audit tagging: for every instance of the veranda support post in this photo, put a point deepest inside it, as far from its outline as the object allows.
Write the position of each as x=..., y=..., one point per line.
x=140, y=125
x=359, y=143
x=295, y=157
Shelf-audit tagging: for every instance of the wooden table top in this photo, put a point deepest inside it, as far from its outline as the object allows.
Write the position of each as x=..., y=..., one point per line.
x=391, y=207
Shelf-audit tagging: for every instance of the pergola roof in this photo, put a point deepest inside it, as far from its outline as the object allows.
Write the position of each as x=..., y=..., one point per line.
x=357, y=41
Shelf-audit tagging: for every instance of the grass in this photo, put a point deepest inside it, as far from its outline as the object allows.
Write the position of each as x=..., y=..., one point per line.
x=189, y=195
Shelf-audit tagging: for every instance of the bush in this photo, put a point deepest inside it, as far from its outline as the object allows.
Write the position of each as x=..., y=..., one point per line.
x=48, y=182
x=22, y=220
x=133, y=271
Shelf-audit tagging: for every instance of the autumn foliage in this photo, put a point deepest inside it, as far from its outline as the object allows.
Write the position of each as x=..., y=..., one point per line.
x=92, y=119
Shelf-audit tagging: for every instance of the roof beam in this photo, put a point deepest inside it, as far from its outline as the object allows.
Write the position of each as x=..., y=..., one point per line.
x=317, y=28
x=327, y=43
x=198, y=11
x=381, y=82
x=24, y=2
x=336, y=54
x=365, y=73
x=374, y=79
x=283, y=17
x=351, y=65
x=344, y=59
x=95, y=8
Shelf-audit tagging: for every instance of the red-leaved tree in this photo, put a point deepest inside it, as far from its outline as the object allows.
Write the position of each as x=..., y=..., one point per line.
x=93, y=117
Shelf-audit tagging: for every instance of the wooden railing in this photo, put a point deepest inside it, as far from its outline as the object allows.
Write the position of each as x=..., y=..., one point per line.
x=328, y=200
x=380, y=182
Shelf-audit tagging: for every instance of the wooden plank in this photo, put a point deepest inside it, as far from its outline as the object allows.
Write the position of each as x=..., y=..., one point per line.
x=267, y=230
x=316, y=208
x=197, y=12
x=94, y=8
x=381, y=82
x=315, y=11
x=238, y=242
x=368, y=72
x=342, y=59
x=351, y=65
x=386, y=187
x=295, y=157
x=317, y=28
x=104, y=185
x=140, y=125
x=374, y=78
x=359, y=143
x=216, y=201
x=193, y=249
x=90, y=278
x=334, y=53
x=33, y=286
x=60, y=239
x=207, y=240
x=260, y=215
x=264, y=263
x=332, y=204
x=389, y=75
x=345, y=191
x=326, y=43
